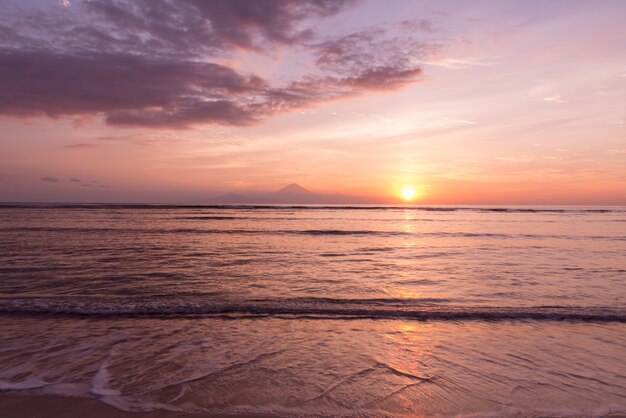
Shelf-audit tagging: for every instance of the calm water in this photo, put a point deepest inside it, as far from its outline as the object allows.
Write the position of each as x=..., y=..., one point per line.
x=516, y=311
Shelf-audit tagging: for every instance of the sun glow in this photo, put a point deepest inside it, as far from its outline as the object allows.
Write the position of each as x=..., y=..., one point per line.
x=409, y=193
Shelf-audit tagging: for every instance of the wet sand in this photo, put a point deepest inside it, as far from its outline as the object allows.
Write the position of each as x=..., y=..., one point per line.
x=18, y=405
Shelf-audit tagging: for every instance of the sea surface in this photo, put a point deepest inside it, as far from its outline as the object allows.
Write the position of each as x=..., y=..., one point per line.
x=318, y=310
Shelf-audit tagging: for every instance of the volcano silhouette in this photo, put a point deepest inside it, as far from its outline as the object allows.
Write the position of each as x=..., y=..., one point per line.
x=291, y=194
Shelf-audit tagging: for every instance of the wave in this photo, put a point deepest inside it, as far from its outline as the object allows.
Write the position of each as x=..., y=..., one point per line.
x=202, y=231
x=320, y=308
x=86, y=206
x=209, y=218
x=310, y=232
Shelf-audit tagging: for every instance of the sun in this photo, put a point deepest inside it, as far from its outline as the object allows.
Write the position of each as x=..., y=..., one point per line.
x=408, y=193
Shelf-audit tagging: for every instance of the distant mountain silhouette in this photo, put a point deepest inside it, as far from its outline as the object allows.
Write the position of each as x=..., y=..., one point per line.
x=290, y=194
x=292, y=189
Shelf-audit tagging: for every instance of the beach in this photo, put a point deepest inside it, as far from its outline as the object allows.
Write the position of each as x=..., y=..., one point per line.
x=50, y=406
x=53, y=406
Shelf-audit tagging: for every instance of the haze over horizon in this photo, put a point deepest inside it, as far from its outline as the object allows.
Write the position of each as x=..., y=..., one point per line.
x=517, y=102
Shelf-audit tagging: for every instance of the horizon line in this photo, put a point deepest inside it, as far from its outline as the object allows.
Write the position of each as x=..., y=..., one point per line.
x=373, y=204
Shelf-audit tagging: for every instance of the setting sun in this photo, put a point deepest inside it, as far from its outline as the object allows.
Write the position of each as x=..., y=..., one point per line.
x=408, y=193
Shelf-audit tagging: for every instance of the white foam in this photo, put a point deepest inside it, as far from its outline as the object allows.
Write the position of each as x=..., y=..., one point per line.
x=100, y=382
x=30, y=383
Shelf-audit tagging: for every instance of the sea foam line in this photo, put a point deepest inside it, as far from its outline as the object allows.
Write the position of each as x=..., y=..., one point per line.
x=320, y=309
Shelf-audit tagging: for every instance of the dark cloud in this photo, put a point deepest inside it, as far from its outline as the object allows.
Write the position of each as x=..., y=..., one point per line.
x=129, y=87
x=75, y=180
x=369, y=56
x=194, y=28
x=198, y=26
x=50, y=179
x=239, y=22
x=154, y=63
x=186, y=112
x=381, y=58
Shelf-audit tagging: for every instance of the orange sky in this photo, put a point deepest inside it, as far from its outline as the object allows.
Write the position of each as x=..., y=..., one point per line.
x=488, y=103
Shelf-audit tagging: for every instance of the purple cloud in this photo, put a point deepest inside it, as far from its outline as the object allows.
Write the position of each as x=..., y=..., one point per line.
x=194, y=27
x=152, y=63
x=50, y=179
x=239, y=22
x=378, y=58
x=42, y=82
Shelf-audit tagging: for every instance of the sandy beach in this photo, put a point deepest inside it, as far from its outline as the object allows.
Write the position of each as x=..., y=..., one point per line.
x=22, y=405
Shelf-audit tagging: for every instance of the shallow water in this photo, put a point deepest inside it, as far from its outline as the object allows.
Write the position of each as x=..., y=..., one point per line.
x=323, y=311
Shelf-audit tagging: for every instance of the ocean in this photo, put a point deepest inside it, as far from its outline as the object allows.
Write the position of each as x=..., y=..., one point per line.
x=317, y=310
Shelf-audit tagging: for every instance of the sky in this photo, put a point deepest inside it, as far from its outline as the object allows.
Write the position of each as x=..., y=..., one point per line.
x=464, y=102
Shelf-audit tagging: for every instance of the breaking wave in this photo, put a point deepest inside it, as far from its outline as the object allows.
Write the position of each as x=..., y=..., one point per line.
x=310, y=232
x=321, y=308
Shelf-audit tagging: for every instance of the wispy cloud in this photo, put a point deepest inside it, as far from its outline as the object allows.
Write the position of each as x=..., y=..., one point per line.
x=459, y=63
x=555, y=98
x=145, y=139
x=49, y=179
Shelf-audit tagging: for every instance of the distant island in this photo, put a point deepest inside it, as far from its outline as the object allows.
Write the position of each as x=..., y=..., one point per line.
x=290, y=194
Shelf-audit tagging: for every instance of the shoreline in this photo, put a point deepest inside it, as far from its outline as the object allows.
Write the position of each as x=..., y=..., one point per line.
x=36, y=405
